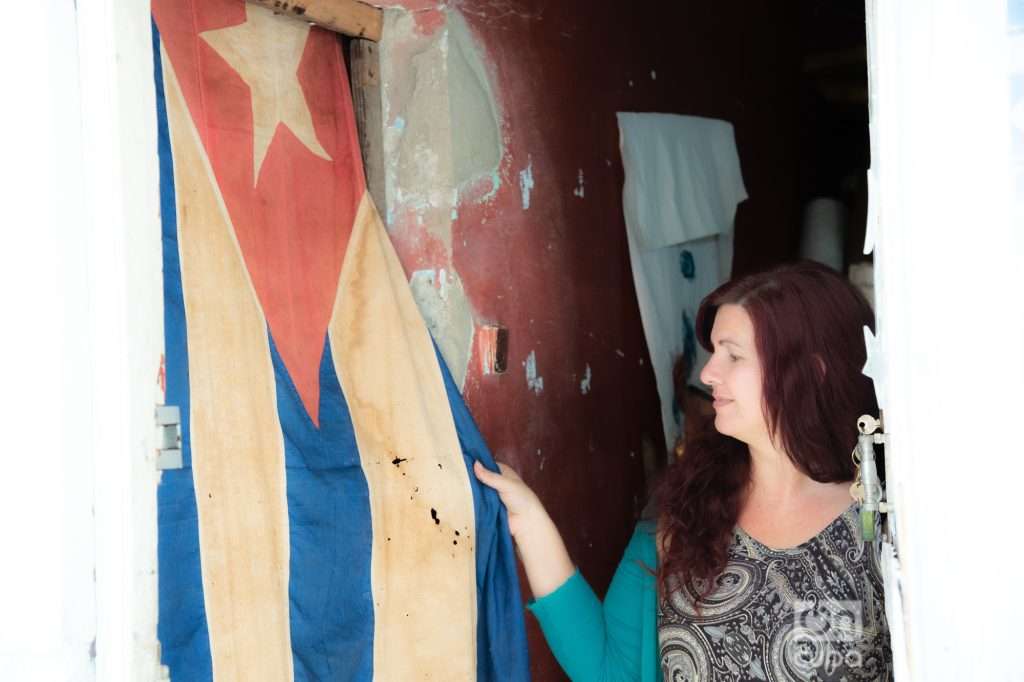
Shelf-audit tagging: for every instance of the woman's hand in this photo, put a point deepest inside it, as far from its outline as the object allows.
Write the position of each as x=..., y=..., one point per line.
x=524, y=507
x=540, y=546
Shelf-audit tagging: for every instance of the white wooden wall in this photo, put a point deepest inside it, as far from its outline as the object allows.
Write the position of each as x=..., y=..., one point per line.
x=950, y=286
x=80, y=288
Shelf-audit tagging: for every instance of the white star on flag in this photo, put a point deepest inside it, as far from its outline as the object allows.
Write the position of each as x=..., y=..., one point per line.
x=265, y=50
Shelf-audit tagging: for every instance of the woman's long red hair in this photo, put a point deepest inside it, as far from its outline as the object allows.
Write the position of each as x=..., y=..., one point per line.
x=808, y=324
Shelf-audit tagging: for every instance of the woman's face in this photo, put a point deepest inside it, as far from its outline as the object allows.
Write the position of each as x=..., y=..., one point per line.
x=734, y=374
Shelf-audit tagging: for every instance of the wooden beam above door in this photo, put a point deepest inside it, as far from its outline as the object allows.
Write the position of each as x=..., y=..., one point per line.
x=349, y=17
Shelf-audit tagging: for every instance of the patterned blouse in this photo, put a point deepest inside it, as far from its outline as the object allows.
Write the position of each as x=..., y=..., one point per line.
x=813, y=612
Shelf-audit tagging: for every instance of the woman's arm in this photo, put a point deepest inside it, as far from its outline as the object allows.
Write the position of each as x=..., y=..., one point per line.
x=540, y=545
x=593, y=642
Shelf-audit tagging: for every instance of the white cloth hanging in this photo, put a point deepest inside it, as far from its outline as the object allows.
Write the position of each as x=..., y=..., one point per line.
x=683, y=178
x=682, y=185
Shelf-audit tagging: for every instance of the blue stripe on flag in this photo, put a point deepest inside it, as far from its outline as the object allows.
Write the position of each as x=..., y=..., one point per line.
x=329, y=528
x=501, y=631
x=182, y=627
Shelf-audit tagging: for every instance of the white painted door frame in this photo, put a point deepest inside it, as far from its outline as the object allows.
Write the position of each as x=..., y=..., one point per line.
x=81, y=293
x=949, y=258
x=126, y=322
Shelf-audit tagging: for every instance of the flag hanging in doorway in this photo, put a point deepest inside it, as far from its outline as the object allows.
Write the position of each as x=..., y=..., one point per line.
x=326, y=524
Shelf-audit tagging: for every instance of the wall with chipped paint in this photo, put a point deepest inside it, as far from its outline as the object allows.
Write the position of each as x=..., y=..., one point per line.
x=504, y=186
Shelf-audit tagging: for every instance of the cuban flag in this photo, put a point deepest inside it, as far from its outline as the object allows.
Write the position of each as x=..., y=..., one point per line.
x=326, y=524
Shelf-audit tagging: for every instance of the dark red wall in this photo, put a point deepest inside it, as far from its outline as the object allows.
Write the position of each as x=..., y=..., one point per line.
x=560, y=277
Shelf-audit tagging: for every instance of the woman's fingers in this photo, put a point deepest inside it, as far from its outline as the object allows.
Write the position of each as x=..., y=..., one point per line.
x=489, y=478
x=495, y=479
x=515, y=494
x=525, y=512
x=508, y=471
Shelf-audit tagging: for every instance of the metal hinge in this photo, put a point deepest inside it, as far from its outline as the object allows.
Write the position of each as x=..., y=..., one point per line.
x=168, y=426
x=867, y=489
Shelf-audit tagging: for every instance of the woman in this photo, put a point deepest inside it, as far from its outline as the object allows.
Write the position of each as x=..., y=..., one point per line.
x=755, y=568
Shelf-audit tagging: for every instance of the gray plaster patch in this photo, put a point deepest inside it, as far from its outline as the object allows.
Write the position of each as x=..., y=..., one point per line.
x=424, y=160
x=442, y=132
x=476, y=123
x=442, y=124
x=417, y=133
x=442, y=301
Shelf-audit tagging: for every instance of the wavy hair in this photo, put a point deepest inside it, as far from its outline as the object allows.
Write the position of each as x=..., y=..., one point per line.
x=808, y=324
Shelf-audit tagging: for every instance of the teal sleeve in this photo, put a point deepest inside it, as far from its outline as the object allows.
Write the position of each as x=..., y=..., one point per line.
x=613, y=641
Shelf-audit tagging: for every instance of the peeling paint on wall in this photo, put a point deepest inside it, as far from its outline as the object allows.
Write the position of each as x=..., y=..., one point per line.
x=535, y=382
x=418, y=170
x=442, y=302
x=443, y=127
x=495, y=179
x=442, y=140
x=526, y=183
